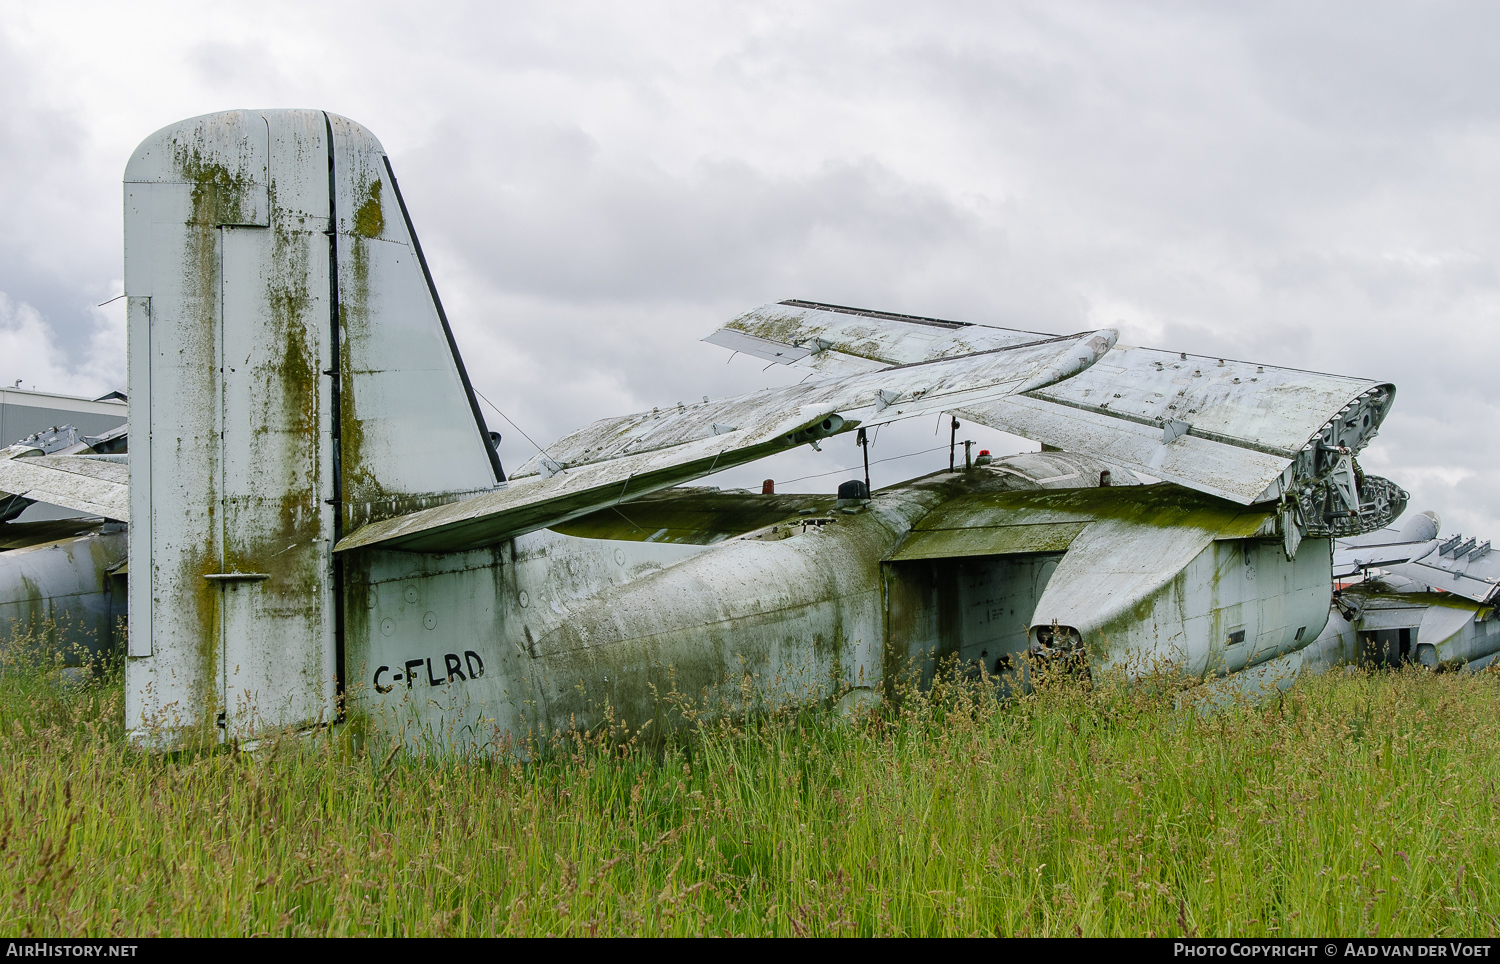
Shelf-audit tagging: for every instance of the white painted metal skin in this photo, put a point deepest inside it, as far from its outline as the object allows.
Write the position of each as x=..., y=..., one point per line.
x=1416, y=552
x=272, y=421
x=616, y=459
x=241, y=458
x=1239, y=430
x=62, y=593
x=1184, y=599
x=227, y=282
x=1441, y=630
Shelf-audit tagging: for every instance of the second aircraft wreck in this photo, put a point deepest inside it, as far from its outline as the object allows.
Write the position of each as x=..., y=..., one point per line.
x=322, y=528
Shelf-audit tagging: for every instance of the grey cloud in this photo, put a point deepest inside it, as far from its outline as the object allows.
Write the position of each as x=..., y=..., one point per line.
x=51, y=255
x=548, y=214
x=597, y=186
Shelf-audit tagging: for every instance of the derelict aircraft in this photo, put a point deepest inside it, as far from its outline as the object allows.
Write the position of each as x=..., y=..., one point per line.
x=323, y=530
x=1411, y=596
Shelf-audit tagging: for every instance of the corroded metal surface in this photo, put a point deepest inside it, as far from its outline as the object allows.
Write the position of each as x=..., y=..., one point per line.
x=283, y=344
x=1146, y=579
x=1387, y=623
x=1417, y=553
x=1411, y=595
x=227, y=279
x=294, y=388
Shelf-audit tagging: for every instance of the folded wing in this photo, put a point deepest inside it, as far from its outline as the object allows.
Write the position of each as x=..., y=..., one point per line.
x=1455, y=564
x=1243, y=431
x=617, y=459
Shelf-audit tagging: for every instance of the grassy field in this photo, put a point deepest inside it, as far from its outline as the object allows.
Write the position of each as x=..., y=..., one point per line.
x=1354, y=805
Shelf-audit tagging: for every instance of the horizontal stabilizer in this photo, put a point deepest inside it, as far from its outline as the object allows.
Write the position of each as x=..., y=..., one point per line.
x=94, y=485
x=617, y=459
x=535, y=503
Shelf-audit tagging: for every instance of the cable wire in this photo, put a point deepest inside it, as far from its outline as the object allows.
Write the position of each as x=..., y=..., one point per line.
x=512, y=424
x=893, y=458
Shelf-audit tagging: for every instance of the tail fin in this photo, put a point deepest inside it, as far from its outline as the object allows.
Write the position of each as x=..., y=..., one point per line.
x=292, y=375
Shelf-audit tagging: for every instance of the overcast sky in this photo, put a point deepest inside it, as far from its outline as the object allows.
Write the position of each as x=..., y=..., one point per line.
x=599, y=185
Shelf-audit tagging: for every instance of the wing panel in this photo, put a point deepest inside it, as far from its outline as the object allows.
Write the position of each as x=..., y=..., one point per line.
x=870, y=399
x=73, y=482
x=615, y=459
x=1461, y=580
x=1244, y=431
x=875, y=336
x=1238, y=474
x=1254, y=406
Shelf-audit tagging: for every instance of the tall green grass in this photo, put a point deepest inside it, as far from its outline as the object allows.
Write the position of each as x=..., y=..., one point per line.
x=1354, y=805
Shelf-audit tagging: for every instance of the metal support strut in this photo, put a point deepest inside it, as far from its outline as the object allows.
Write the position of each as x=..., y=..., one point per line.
x=863, y=442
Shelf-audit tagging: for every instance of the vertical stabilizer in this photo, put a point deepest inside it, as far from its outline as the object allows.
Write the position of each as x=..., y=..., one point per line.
x=290, y=373
x=412, y=433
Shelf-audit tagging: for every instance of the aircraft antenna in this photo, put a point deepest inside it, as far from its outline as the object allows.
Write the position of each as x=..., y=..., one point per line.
x=864, y=446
